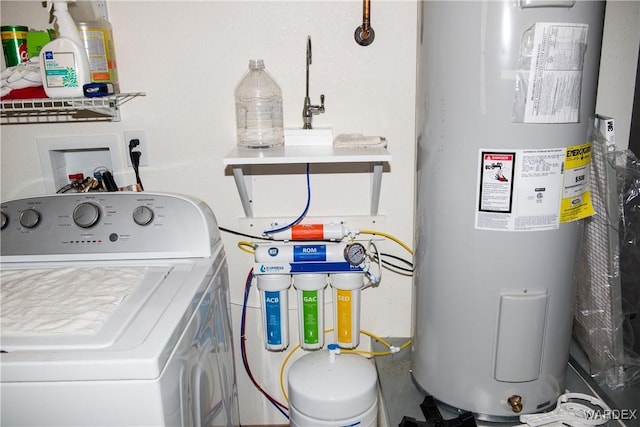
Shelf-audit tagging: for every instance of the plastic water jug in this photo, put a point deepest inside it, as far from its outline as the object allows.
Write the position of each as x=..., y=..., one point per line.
x=258, y=97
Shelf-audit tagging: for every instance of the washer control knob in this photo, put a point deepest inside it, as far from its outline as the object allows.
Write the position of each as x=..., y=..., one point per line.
x=142, y=215
x=5, y=220
x=86, y=215
x=29, y=218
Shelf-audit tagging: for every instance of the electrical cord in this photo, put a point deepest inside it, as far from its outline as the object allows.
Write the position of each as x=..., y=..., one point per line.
x=238, y=233
x=135, y=160
x=108, y=182
x=405, y=271
x=66, y=188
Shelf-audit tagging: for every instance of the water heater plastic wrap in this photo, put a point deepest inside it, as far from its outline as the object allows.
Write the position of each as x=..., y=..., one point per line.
x=608, y=270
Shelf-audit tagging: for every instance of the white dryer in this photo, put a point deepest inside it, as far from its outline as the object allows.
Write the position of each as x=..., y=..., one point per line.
x=114, y=312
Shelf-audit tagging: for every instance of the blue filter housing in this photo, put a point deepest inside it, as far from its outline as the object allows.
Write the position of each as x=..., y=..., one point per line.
x=274, y=298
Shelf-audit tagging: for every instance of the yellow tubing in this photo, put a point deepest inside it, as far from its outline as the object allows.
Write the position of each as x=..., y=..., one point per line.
x=243, y=244
x=362, y=352
x=388, y=236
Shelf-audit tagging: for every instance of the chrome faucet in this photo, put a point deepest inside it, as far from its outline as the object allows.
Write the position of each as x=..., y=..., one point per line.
x=309, y=110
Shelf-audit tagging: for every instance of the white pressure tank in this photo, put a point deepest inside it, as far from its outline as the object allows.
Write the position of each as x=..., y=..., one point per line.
x=331, y=389
x=506, y=90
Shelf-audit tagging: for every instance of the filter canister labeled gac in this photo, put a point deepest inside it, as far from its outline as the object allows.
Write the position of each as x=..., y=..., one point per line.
x=310, y=290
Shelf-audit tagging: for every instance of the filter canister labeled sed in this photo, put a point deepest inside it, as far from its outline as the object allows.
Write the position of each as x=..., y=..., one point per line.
x=328, y=389
x=346, y=308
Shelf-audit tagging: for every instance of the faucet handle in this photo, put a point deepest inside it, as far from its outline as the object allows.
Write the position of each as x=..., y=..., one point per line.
x=309, y=110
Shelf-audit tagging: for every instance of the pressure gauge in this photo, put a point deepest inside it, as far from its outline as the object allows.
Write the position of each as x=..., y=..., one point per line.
x=355, y=253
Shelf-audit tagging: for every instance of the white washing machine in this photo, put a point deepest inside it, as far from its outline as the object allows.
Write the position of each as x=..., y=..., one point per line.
x=114, y=312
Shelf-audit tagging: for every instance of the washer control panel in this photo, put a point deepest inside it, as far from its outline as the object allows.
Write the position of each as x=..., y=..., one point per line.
x=119, y=223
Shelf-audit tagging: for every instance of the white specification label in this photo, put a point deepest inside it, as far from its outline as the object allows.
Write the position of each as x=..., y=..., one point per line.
x=555, y=74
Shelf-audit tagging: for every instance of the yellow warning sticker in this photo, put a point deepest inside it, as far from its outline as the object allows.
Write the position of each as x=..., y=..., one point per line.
x=576, y=197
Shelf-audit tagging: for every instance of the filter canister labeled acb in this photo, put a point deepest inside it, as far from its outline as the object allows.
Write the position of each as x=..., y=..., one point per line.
x=310, y=289
x=346, y=308
x=332, y=390
x=274, y=299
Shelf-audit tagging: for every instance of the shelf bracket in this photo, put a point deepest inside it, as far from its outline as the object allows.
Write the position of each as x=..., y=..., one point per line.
x=321, y=154
x=375, y=187
x=245, y=199
x=238, y=175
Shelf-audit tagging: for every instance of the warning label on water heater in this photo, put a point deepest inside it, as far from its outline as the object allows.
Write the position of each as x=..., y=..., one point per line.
x=496, y=186
x=532, y=190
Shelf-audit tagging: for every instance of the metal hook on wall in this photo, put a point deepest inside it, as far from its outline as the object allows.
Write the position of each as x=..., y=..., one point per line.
x=364, y=34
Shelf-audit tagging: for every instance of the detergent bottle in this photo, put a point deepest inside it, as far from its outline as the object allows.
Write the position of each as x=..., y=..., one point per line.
x=64, y=65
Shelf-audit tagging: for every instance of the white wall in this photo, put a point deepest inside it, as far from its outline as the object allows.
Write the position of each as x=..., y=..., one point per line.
x=618, y=65
x=188, y=56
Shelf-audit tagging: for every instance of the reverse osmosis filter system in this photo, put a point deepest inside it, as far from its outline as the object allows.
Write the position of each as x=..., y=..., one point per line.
x=326, y=388
x=506, y=91
x=310, y=267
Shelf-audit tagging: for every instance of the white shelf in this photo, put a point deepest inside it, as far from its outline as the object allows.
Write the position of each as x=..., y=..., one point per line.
x=45, y=110
x=240, y=157
x=305, y=154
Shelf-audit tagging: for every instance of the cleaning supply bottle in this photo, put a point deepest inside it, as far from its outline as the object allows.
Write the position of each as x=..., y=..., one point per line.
x=97, y=39
x=64, y=65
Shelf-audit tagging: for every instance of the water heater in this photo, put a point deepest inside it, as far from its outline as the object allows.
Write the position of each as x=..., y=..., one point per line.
x=506, y=90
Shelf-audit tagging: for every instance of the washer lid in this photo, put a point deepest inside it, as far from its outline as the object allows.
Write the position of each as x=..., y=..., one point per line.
x=134, y=340
x=55, y=302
